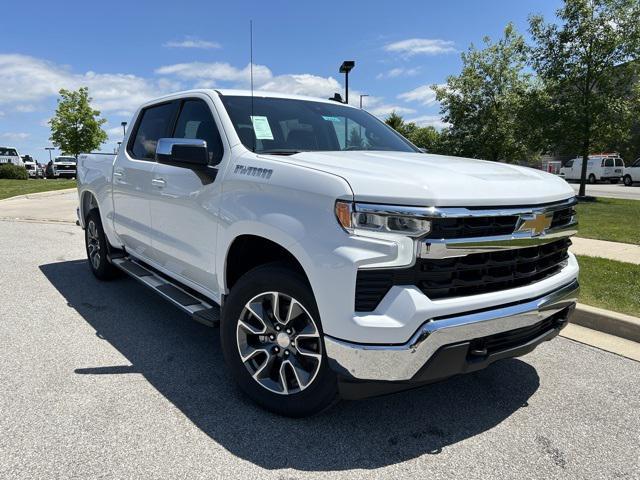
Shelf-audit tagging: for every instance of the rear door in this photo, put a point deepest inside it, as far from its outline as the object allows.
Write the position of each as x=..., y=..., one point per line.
x=608, y=169
x=184, y=202
x=133, y=175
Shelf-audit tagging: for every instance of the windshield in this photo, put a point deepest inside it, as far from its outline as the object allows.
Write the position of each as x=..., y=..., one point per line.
x=288, y=126
x=8, y=152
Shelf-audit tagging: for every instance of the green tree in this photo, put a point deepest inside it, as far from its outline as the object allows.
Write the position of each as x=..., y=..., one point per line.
x=422, y=137
x=396, y=122
x=76, y=127
x=488, y=105
x=582, y=58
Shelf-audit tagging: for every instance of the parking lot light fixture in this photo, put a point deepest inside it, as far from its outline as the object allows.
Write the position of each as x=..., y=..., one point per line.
x=345, y=68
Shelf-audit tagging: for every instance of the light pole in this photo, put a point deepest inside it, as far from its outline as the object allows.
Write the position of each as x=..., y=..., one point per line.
x=124, y=128
x=345, y=68
x=363, y=95
x=50, y=149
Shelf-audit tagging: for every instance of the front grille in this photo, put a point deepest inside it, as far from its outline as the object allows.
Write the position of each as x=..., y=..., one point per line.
x=65, y=167
x=563, y=217
x=461, y=276
x=472, y=227
x=515, y=338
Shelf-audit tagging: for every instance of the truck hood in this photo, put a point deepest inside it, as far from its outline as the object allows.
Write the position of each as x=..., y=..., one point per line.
x=436, y=180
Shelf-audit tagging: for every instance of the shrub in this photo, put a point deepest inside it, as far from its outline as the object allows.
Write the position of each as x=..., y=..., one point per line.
x=14, y=172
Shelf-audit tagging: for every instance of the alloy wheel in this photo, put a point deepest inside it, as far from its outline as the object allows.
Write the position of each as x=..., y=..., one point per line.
x=279, y=343
x=93, y=244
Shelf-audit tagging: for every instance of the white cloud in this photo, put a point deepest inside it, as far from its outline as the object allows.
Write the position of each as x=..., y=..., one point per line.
x=384, y=110
x=192, y=42
x=429, y=120
x=304, y=84
x=216, y=72
x=27, y=79
x=421, y=46
x=25, y=108
x=15, y=135
x=423, y=94
x=399, y=72
x=208, y=75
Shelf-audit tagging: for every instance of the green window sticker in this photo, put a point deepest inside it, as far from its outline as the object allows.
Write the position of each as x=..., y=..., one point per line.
x=261, y=128
x=331, y=119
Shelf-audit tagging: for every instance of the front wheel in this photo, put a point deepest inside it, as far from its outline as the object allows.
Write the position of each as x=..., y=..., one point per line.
x=272, y=342
x=628, y=181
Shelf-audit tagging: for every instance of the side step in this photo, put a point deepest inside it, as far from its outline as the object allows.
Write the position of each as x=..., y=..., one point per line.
x=205, y=312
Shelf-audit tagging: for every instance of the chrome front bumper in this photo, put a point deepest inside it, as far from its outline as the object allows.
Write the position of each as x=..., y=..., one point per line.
x=403, y=362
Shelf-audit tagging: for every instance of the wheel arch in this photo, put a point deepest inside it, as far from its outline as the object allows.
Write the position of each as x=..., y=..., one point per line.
x=88, y=201
x=248, y=251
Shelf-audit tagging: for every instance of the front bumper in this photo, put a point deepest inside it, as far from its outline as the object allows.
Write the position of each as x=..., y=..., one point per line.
x=421, y=358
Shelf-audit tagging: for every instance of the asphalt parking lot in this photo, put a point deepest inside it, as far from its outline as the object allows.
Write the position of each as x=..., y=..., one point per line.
x=105, y=380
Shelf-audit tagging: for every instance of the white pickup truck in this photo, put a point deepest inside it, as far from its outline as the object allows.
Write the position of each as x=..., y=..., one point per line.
x=64, y=167
x=338, y=259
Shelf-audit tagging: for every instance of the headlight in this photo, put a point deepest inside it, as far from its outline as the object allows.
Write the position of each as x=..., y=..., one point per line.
x=380, y=218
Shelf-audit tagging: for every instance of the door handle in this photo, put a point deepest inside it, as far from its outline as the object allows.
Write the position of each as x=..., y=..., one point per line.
x=118, y=174
x=158, y=182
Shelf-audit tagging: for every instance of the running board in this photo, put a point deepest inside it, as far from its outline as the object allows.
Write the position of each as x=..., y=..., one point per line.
x=207, y=313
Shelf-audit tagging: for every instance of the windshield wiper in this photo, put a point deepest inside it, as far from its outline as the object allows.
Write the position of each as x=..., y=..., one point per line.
x=280, y=151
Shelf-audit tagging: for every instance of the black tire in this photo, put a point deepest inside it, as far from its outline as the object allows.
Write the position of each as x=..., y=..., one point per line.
x=628, y=181
x=322, y=390
x=592, y=179
x=96, y=246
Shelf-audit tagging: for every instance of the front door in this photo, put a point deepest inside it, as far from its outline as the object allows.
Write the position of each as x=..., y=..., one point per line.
x=184, y=204
x=132, y=179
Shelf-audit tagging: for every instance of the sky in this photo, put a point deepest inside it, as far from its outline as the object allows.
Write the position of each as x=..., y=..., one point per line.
x=130, y=52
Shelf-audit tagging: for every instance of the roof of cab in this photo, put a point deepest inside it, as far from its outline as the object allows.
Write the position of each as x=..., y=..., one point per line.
x=240, y=93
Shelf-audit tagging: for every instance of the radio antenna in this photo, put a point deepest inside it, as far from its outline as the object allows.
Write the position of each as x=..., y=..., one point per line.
x=251, y=75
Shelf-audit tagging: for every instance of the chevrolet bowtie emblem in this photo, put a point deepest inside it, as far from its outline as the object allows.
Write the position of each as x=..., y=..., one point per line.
x=537, y=224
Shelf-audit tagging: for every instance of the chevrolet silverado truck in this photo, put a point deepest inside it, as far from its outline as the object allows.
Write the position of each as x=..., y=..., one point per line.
x=64, y=167
x=338, y=259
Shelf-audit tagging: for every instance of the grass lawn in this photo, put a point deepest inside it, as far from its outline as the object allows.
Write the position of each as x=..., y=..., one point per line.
x=11, y=188
x=610, y=219
x=610, y=284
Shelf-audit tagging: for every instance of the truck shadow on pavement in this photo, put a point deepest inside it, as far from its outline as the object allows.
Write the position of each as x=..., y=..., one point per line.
x=183, y=361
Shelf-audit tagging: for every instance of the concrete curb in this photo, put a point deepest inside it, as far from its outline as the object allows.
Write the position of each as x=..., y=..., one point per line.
x=613, y=323
x=48, y=193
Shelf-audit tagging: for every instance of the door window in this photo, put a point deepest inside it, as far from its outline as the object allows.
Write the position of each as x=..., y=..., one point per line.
x=608, y=162
x=196, y=121
x=619, y=162
x=153, y=124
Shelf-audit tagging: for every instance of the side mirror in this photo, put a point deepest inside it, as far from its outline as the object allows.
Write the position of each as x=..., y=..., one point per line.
x=183, y=152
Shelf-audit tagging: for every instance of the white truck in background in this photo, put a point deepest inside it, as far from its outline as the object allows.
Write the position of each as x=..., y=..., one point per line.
x=632, y=173
x=337, y=258
x=31, y=165
x=10, y=155
x=64, y=166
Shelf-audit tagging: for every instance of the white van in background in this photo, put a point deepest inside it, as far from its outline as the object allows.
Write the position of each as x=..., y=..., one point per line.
x=599, y=168
x=10, y=155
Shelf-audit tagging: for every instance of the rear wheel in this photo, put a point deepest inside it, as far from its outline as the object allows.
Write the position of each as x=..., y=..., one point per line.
x=272, y=342
x=592, y=179
x=628, y=181
x=96, y=245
